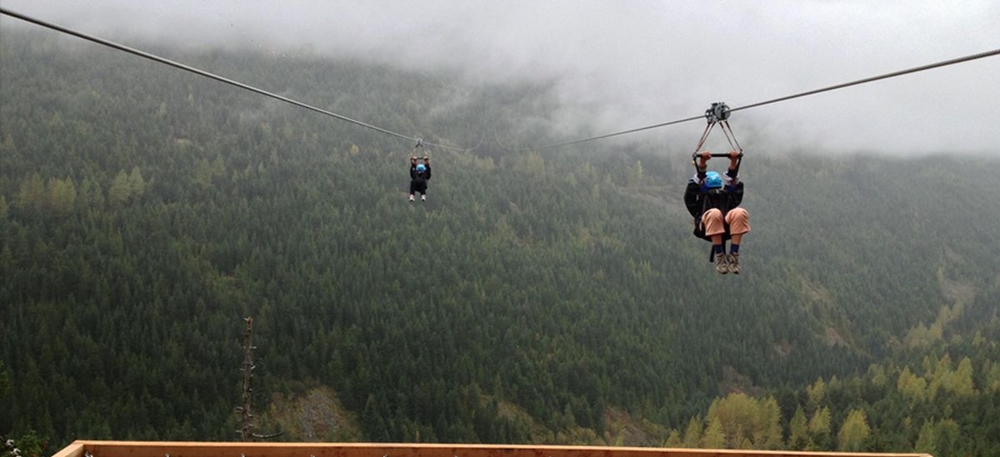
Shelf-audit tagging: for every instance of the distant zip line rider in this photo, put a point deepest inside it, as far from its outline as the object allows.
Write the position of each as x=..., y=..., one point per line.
x=713, y=200
x=420, y=173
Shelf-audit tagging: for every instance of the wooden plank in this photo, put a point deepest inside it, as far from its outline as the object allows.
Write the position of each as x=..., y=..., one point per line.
x=237, y=449
x=75, y=449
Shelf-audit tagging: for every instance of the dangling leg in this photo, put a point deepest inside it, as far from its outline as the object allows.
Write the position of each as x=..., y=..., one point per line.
x=739, y=224
x=714, y=229
x=413, y=188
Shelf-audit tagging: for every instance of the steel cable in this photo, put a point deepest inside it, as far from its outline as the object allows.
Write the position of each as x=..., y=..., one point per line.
x=206, y=74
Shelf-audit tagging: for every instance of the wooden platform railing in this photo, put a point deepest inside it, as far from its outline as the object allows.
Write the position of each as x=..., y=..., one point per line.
x=204, y=449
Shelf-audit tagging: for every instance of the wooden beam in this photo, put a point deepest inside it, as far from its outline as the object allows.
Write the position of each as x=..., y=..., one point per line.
x=75, y=449
x=249, y=449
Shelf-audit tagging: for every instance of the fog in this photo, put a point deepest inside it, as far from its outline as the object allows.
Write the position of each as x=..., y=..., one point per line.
x=619, y=65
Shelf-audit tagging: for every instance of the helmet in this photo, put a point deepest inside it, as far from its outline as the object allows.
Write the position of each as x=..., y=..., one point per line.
x=421, y=167
x=713, y=180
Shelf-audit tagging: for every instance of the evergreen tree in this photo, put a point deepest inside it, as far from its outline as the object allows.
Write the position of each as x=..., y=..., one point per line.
x=692, y=434
x=714, y=437
x=854, y=432
x=819, y=427
x=798, y=438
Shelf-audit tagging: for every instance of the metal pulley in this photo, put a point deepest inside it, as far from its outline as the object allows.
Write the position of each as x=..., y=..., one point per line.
x=719, y=111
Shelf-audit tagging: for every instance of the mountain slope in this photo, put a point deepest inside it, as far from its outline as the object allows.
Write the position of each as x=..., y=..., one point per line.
x=145, y=212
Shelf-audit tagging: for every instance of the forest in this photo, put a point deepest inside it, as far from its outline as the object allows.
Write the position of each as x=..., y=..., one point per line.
x=537, y=296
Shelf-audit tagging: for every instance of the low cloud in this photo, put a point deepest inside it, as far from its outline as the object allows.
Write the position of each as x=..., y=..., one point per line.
x=622, y=65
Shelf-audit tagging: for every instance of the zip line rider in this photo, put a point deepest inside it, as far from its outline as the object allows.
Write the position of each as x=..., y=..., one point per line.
x=713, y=200
x=420, y=173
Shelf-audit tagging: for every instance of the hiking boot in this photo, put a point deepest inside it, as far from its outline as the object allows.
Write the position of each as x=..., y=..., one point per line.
x=734, y=263
x=721, y=266
x=411, y=197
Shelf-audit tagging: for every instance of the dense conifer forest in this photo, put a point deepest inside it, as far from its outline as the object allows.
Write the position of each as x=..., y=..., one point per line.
x=536, y=297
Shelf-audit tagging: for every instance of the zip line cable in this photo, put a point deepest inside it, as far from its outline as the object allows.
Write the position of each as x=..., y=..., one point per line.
x=206, y=74
x=418, y=140
x=875, y=78
x=789, y=97
x=609, y=135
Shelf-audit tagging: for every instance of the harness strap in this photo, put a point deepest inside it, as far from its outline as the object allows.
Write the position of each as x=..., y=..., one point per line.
x=701, y=142
x=726, y=126
x=704, y=136
x=731, y=136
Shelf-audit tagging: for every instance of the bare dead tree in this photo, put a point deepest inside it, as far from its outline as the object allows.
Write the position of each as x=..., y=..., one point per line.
x=246, y=414
x=246, y=420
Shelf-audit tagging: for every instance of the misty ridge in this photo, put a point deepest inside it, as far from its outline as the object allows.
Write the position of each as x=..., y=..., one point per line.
x=615, y=67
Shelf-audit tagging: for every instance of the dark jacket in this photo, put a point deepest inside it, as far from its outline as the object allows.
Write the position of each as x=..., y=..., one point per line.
x=420, y=177
x=699, y=200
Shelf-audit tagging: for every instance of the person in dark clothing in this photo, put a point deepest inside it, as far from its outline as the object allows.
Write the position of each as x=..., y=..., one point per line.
x=420, y=173
x=713, y=200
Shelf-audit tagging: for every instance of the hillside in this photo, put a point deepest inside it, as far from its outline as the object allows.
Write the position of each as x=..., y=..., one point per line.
x=536, y=297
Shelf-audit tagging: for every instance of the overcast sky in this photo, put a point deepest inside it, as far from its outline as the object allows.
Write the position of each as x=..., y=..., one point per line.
x=626, y=64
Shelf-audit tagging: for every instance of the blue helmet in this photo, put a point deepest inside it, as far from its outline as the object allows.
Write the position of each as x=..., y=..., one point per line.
x=713, y=180
x=421, y=167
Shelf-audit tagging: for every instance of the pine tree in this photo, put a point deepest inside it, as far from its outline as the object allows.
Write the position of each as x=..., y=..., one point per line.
x=798, y=438
x=692, y=435
x=120, y=191
x=927, y=440
x=33, y=197
x=819, y=427
x=816, y=393
x=673, y=439
x=136, y=184
x=767, y=434
x=962, y=378
x=911, y=385
x=714, y=437
x=948, y=437
x=62, y=196
x=854, y=432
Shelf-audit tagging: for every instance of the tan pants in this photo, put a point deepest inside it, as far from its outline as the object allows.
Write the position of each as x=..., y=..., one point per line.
x=737, y=218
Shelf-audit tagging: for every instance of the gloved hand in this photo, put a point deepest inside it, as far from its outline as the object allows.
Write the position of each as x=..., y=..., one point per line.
x=703, y=159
